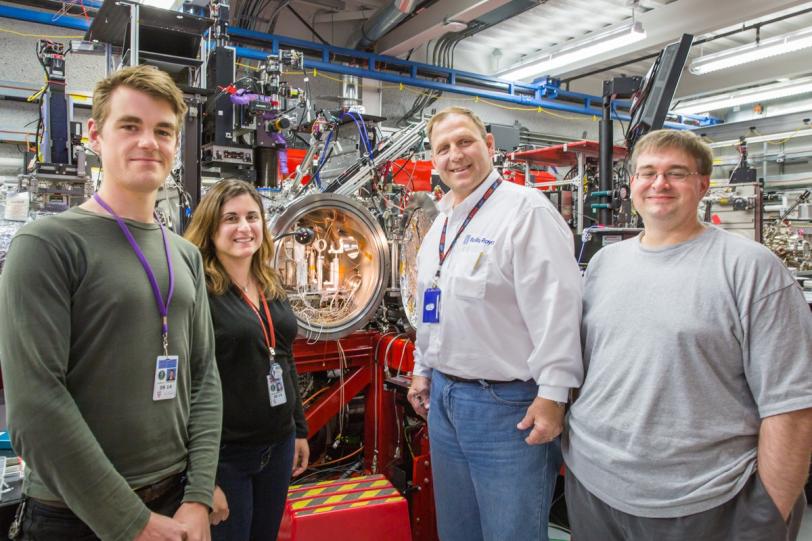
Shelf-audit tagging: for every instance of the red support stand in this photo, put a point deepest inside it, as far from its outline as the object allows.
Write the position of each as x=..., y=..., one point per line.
x=379, y=366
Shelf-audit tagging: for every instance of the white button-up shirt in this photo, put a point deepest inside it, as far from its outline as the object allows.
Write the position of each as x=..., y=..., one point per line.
x=510, y=303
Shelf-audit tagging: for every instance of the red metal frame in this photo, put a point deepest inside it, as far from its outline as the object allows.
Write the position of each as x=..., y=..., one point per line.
x=414, y=174
x=339, y=395
x=320, y=356
x=566, y=154
x=372, y=357
x=424, y=520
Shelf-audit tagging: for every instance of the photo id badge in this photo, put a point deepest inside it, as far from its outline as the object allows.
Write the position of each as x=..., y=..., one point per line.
x=166, y=378
x=431, y=305
x=276, y=386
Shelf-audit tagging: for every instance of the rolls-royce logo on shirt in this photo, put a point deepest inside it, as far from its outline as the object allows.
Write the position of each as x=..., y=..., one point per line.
x=469, y=239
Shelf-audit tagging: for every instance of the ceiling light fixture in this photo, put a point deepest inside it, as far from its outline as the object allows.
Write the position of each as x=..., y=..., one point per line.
x=787, y=43
x=567, y=54
x=763, y=138
x=751, y=95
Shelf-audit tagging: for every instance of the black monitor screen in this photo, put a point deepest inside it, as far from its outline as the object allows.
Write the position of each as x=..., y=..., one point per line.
x=650, y=104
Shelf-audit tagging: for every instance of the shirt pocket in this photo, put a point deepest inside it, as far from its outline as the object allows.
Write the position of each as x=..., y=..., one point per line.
x=470, y=280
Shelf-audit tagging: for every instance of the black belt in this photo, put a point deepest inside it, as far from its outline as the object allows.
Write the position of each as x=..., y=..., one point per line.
x=458, y=379
x=147, y=494
x=156, y=490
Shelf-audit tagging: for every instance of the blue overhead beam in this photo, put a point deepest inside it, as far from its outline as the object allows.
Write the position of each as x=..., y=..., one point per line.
x=372, y=66
x=42, y=17
x=390, y=69
x=530, y=101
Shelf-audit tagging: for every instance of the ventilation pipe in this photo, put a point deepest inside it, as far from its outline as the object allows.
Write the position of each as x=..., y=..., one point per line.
x=381, y=22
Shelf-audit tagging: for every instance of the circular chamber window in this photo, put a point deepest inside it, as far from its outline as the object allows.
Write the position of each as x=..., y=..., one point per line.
x=419, y=217
x=335, y=283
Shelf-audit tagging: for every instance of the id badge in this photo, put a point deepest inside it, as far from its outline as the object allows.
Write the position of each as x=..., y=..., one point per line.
x=276, y=386
x=166, y=378
x=431, y=305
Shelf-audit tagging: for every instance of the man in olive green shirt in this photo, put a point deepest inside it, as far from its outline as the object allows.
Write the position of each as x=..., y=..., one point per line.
x=97, y=305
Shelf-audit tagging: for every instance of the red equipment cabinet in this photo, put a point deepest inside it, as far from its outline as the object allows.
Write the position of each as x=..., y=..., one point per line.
x=366, y=508
x=377, y=365
x=414, y=174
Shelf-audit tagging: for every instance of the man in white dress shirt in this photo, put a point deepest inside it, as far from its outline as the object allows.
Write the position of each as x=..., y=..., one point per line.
x=498, y=348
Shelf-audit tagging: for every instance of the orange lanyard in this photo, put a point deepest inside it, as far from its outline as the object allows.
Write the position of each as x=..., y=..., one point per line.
x=269, y=332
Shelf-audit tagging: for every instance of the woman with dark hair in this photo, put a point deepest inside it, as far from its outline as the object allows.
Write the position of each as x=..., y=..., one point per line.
x=264, y=430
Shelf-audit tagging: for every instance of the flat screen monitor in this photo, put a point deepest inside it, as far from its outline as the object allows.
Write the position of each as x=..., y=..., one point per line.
x=650, y=104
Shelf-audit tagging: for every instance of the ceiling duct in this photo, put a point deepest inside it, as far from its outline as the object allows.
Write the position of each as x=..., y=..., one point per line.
x=381, y=22
x=450, y=16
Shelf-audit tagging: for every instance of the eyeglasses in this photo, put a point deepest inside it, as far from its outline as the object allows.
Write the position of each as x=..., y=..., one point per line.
x=674, y=175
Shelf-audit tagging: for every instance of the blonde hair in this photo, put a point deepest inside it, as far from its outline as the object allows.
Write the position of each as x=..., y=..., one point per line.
x=203, y=227
x=147, y=79
x=456, y=110
x=685, y=141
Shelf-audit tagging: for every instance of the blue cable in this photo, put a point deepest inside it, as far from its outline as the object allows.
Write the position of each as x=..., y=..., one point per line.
x=322, y=159
x=361, y=131
x=366, y=134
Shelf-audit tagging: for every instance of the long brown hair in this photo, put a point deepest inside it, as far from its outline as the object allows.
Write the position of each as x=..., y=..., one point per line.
x=203, y=227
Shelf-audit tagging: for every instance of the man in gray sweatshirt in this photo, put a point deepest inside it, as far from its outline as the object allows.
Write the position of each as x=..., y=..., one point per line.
x=695, y=417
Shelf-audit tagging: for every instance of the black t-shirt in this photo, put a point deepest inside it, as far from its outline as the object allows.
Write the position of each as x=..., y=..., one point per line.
x=242, y=357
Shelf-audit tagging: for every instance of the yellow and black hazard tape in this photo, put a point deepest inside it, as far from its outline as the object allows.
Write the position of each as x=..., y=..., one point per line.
x=325, y=509
x=324, y=490
x=344, y=497
x=338, y=482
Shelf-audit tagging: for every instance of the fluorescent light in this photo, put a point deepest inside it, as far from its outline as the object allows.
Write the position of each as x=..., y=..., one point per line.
x=787, y=43
x=751, y=95
x=804, y=106
x=763, y=138
x=570, y=53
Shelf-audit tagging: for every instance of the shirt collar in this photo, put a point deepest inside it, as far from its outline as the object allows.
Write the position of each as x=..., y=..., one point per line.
x=446, y=205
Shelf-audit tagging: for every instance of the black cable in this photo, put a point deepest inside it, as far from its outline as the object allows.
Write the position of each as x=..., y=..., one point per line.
x=307, y=24
x=274, y=16
x=242, y=16
x=253, y=16
x=454, y=49
x=405, y=162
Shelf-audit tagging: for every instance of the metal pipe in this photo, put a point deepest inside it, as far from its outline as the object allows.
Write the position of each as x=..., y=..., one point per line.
x=605, y=141
x=381, y=22
x=394, y=265
x=551, y=183
x=580, y=191
x=135, y=11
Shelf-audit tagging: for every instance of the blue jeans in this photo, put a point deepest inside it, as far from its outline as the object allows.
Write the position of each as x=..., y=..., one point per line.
x=489, y=484
x=255, y=481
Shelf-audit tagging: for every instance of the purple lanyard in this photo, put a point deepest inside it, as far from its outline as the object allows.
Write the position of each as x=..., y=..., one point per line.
x=163, y=307
x=443, y=253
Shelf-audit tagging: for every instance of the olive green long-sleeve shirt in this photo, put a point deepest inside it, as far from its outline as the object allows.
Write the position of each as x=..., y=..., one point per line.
x=79, y=336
